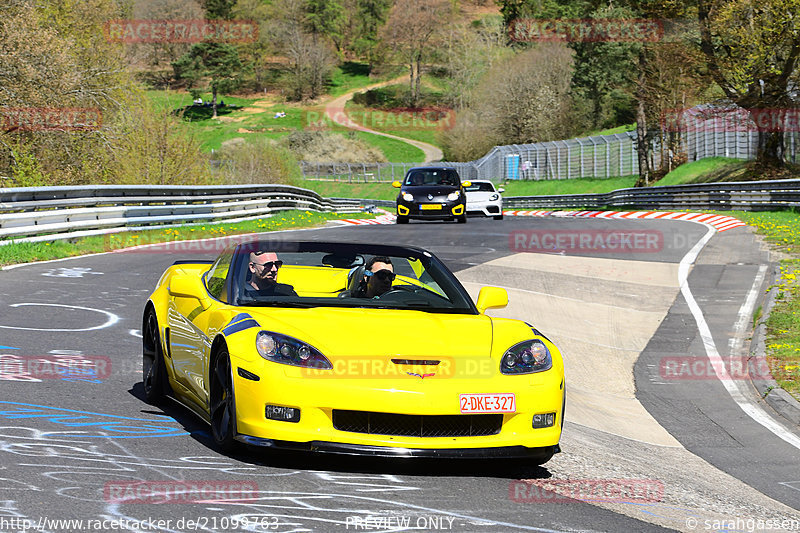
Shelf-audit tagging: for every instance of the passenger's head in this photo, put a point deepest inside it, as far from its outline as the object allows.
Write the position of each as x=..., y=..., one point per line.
x=379, y=275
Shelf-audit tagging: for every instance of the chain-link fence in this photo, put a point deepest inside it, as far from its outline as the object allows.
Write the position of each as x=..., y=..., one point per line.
x=698, y=135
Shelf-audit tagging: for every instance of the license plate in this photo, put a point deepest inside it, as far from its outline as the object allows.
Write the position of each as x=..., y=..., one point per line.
x=488, y=403
x=430, y=207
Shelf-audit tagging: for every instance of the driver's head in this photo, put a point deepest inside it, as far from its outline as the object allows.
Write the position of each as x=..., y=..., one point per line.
x=379, y=275
x=264, y=268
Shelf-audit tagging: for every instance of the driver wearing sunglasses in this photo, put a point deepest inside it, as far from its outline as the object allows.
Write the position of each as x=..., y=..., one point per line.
x=378, y=276
x=264, y=268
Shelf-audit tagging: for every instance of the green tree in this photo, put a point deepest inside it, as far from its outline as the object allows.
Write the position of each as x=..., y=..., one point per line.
x=413, y=30
x=604, y=66
x=751, y=49
x=371, y=15
x=326, y=17
x=219, y=9
x=218, y=61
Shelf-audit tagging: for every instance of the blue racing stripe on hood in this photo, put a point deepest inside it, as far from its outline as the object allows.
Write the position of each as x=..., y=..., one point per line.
x=240, y=326
x=240, y=316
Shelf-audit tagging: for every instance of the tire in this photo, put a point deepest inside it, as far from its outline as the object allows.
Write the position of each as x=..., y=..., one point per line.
x=462, y=219
x=402, y=219
x=223, y=407
x=154, y=370
x=498, y=217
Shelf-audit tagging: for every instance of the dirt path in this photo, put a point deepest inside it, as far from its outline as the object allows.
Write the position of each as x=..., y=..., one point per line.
x=335, y=112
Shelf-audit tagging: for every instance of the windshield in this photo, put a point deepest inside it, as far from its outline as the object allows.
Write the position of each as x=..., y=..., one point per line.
x=479, y=186
x=432, y=176
x=345, y=275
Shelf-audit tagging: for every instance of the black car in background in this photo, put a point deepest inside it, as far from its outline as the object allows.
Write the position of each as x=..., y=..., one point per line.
x=431, y=193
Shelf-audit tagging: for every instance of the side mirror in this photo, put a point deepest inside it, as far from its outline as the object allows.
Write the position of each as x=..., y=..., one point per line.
x=185, y=286
x=491, y=298
x=501, y=190
x=466, y=183
x=396, y=184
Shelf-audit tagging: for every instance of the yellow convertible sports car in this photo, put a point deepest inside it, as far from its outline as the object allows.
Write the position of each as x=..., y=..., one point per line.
x=352, y=349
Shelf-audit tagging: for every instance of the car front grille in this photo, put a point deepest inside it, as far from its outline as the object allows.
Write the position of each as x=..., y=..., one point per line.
x=417, y=425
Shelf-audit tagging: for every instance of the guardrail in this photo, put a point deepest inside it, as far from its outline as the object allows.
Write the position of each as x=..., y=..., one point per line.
x=48, y=213
x=743, y=196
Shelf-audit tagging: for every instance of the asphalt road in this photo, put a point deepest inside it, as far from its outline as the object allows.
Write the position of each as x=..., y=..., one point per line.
x=68, y=445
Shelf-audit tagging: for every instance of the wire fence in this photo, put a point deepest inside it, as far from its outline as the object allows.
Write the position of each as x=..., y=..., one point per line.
x=699, y=135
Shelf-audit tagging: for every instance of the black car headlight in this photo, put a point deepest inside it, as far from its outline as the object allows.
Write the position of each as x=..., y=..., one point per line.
x=526, y=357
x=289, y=351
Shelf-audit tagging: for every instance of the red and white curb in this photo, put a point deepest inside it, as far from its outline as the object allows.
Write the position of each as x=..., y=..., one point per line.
x=719, y=222
x=385, y=218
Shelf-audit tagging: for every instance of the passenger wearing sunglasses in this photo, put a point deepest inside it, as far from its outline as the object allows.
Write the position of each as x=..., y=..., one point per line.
x=378, y=276
x=264, y=275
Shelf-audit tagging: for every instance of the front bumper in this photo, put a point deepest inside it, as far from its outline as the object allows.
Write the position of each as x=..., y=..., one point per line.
x=317, y=398
x=488, y=209
x=426, y=210
x=338, y=448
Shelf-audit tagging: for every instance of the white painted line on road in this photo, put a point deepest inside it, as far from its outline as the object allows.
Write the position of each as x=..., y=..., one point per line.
x=746, y=311
x=112, y=318
x=752, y=410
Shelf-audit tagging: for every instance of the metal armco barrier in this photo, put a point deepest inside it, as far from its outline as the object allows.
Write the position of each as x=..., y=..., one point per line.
x=47, y=213
x=742, y=196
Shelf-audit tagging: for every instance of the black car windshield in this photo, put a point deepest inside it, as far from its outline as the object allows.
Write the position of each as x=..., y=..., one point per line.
x=479, y=186
x=432, y=176
x=313, y=274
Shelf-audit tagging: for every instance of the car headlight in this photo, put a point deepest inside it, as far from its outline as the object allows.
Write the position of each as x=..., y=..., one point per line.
x=494, y=197
x=289, y=351
x=526, y=357
x=408, y=197
x=453, y=196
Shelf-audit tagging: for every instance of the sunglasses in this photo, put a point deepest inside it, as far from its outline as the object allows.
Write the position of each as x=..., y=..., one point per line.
x=383, y=275
x=269, y=264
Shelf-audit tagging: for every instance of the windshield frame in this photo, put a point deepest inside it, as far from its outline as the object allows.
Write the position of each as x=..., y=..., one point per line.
x=457, y=295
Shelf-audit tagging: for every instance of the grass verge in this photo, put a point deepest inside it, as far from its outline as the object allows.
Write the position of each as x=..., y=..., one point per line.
x=702, y=171
x=574, y=186
x=341, y=189
x=26, y=252
x=781, y=229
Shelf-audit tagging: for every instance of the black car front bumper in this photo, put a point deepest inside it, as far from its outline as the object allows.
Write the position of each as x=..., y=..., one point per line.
x=338, y=448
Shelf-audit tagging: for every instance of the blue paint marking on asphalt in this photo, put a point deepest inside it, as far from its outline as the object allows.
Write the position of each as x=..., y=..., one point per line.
x=114, y=426
x=8, y=348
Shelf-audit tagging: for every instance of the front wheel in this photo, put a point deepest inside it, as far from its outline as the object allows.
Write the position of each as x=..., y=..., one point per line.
x=223, y=407
x=498, y=217
x=462, y=219
x=402, y=219
x=154, y=370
